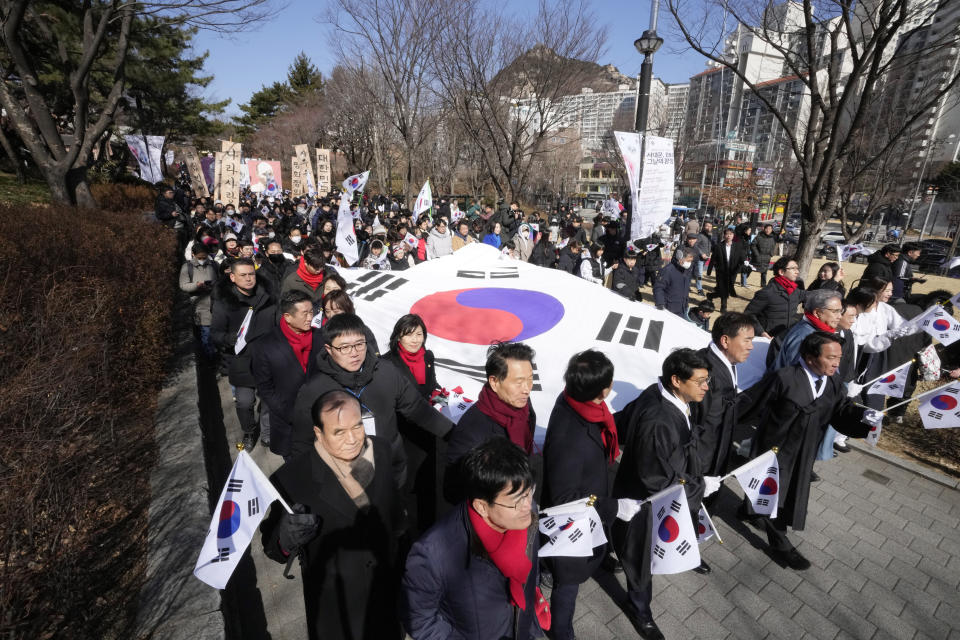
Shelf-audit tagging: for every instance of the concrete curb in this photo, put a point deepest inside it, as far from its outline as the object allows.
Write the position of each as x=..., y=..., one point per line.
x=173, y=603
x=906, y=465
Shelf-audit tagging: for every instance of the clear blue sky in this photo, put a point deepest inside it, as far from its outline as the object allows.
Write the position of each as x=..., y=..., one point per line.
x=241, y=64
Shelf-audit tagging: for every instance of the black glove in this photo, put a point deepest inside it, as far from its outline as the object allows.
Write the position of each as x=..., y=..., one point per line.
x=297, y=529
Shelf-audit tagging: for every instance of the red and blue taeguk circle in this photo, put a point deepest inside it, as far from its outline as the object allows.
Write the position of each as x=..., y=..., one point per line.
x=488, y=315
x=669, y=529
x=890, y=378
x=768, y=487
x=229, y=519
x=941, y=325
x=944, y=403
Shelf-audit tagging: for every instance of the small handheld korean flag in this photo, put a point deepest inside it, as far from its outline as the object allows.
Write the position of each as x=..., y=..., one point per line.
x=673, y=545
x=234, y=224
x=847, y=251
x=892, y=383
x=873, y=436
x=346, y=234
x=376, y=221
x=242, y=333
x=411, y=240
x=940, y=408
x=760, y=479
x=572, y=534
x=457, y=405
x=939, y=324
x=356, y=183
x=243, y=503
x=424, y=201
x=705, y=529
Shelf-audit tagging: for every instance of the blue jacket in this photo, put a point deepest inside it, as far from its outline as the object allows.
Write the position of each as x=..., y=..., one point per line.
x=790, y=350
x=671, y=291
x=451, y=589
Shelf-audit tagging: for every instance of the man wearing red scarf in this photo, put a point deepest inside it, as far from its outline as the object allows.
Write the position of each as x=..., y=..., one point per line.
x=308, y=276
x=821, y=312
x=775, y=305
x=454, y=585
x=502, y=410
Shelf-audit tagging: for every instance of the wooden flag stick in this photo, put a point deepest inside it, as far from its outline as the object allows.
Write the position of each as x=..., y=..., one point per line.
x=884, y=375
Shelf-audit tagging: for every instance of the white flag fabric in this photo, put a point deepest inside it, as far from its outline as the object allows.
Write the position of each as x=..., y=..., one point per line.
x=411, y=240
x=147, y=150
x=346, y=235
x=892, y=383
x=424, y=200
x=573, y=534
x=873, y=436
x=234, y=224
x=242, y=333
x=629, y=143
x=243, y=503
x=457, y=405
x=847, y=251
x=655, y=199
x=471, y=299
x=376, y=221
x=939, y=324
x=939, y=409
x=356, y=183
x=705, y=529
x=317, y=321
x=760, y=479
x=673, y=544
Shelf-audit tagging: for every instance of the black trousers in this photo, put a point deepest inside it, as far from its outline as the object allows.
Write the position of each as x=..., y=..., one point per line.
x=563, y=603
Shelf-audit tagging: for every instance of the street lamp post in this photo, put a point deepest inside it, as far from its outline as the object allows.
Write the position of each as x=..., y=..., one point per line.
x=647, y=44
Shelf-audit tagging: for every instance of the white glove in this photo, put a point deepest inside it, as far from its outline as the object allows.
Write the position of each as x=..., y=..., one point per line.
x=627, y=508
x=872, y=417
x=854, y=389
x=710, y=485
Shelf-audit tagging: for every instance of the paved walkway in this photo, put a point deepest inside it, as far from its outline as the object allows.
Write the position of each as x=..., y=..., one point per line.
x=884, y=543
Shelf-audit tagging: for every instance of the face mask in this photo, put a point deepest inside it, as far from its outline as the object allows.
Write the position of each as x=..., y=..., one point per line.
x=686, y=265
x=301, y=210
x=276, y=258
x=271, y=234
x=295, y=239
x=202, y=263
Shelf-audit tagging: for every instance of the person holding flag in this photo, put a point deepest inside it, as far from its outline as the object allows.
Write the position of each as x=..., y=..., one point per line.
x=346, y=511
x=660, y=450
x=792, y=407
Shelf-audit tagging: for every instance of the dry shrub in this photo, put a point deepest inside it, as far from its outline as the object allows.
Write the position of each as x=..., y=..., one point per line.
x=124, y=197
x=84, y=339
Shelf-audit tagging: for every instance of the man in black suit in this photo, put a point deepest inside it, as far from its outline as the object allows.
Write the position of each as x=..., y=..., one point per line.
x=660, y=451
x=715, y=416
x=727, y=258
x=792, y=408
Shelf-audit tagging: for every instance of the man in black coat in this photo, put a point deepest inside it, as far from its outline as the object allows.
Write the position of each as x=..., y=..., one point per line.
x=716, y=415
x=627, y=276
x=727, y=258
x=762, y=250
x=344, y=527
x=233, y=298
x=570, y=257
x=775, y=305
x=671, y=291
x=880, y=264
x=346, y=363
x=791, y=408
x=274, y=266
x=502, y=410
x=660, y=450
x=282, y=362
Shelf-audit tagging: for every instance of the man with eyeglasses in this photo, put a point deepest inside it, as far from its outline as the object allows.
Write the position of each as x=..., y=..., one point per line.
x=821, y=312
x=346, y=363
x=439, y=240
x=474, y=574
x=775, y=305
x=661, y=449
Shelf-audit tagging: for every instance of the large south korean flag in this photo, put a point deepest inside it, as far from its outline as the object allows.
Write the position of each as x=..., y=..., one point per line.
x=474, y=298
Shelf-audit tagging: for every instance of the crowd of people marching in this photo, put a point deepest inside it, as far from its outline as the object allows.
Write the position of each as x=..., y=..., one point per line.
x=408, y=523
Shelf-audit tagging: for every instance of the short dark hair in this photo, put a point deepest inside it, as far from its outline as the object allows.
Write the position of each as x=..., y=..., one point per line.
x=890, y=248
x=329, y=273
x=877, y=283
x=314, y=258
x=861, y=297
x=340, y=298
x=291, y=299
x=406, y=324
x=199, y=247
x=682, y=363
x=498, y=354
x=343, y=324
x=729, y=324
x=588, y=374
x=781, y=264
x=333, y=400
x=493, y=466
x=812, y=345
x=912, y=246
x=706, y=306
x=243, y=262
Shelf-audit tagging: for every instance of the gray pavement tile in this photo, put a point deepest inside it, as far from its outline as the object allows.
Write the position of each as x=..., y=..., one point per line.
x=942, y=590
x=844, y=554
x=842, y=536
x=890, y=516
x=669, y=625
x=844, y=573
x=747, y=601
x=742, y=625
x=819, y=600
x=818, y=578
x=932, y=554
x=883, y=597
x=702, y=625
x=818, y=539
x=893, y=532
x=589, y=627
x=783, y=576
x=941, y=513
x=925, y=624
x=601, y=605
x=905, y=633
x=815, y=624
x=780, y=625
x=924, y=532
x=858, y=601
x=916, y=598
x=676, y=602
x=720, y=556
x=748, y=573
x=713, y=600
x=915, y=517
x=781, y=599
x=901, y=553
x=951, y=546
x=879, y=575
x=866, y=549
x=908, y=573
x=867, y=534
x=688, y=582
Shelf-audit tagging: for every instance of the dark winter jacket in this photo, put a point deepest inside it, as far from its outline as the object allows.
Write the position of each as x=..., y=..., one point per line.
x=671, y=291
x=544, y=255
x=626, y=281
x=568, y=261
x=762, y=250
x=774, y=309
x=878, y=266
x=229, y=309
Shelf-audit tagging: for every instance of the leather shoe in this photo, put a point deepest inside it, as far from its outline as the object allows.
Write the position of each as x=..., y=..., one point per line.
x=703, y=569
x=842, y=448
x=814, y=477
x=249, y=442
x=647, y=628
x=611, y=564
x=792, y=559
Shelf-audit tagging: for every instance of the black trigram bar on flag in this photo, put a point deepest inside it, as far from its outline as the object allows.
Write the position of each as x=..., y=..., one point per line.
x=674, y=506
x=478, y=372
x=472, y=273
x=771, y=471
x=253, y=506
x=493, y=274
x=660, y=513
x=763, y=502
x=374, y=284
x=576, y=535
x=223, y=554
x=753, y=483
x=935, y=415
x=659, y=551
x=683, y=547
x=234, y=485
x=629, y=333
x=549, y=522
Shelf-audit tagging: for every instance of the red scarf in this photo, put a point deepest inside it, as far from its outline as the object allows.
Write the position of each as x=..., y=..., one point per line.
x=312, y=279
x=415, y=362
x=599, y=414
x=789, y=285
x=508, y=552
x=818, y=323
x=515, y=421
x=299, y=342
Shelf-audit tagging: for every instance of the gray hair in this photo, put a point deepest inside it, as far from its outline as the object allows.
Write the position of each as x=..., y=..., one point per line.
x=819, y=298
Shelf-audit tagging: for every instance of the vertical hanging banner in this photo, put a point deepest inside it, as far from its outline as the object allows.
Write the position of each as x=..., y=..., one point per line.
x=324, y=176
x=195, y=170
x=298, y=182
x=147, y=150
x=629, y=143
x=655, y=199
x=302, y=156
x=228, y=167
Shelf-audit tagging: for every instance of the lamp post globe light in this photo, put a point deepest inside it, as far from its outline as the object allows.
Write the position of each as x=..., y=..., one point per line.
x=647, y=44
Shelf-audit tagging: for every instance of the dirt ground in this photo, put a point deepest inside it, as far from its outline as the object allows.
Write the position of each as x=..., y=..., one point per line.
x=938, y=449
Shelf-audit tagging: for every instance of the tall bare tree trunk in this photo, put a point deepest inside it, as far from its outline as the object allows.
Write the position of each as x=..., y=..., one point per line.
x=12, y=154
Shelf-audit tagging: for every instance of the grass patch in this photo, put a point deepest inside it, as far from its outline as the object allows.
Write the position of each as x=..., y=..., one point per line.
x=32, y=193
